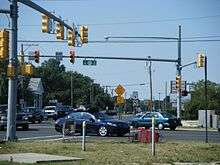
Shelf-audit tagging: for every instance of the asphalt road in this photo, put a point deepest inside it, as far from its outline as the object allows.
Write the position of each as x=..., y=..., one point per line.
x=46, y=130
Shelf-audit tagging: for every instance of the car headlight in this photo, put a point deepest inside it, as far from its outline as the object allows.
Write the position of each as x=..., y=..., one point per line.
x=112, y=124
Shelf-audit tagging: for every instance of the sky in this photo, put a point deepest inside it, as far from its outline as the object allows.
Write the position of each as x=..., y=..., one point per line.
x=198, y=18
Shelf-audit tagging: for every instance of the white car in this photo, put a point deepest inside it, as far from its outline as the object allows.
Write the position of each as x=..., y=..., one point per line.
x=50, y=111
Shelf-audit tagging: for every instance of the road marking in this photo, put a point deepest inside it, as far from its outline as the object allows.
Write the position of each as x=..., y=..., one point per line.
x=41, y=137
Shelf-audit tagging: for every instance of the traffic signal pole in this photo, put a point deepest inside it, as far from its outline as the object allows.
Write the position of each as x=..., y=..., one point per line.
x=206, y=102
x=12, y=82
x=179, y=68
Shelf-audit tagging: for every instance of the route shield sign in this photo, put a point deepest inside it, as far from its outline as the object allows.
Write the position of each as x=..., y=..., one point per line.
x=119, y=90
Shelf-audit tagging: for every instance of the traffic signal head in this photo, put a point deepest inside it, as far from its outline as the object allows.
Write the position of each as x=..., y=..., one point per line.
x=72, y=56
x=84, y=34
x=60, y=31
x=184, y=93
x=201, y=60
x=4, y=44
x=45, y=24
x=178, y=82
x=37, y=56
x=71, y=38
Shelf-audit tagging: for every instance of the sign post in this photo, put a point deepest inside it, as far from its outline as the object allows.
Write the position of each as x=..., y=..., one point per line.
x=120, y=99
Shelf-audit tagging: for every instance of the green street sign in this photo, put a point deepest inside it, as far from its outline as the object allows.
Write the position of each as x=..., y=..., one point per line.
x=90, y=62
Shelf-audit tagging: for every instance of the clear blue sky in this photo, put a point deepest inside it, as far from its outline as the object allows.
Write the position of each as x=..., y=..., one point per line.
x=131, y=18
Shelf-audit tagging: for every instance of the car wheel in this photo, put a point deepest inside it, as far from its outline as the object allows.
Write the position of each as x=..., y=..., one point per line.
x=103, y=131
x=160, y=126
x=25, y=127
x=172, y=128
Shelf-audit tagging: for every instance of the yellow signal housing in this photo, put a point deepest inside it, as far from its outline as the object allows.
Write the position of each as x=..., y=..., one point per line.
x=60, y=31
x=178, y=82
x=71, y=38
x=29, y=69
x=200, y=61
x=84, y=34
x=4, y=44
x=45, y=23
x=10, y=71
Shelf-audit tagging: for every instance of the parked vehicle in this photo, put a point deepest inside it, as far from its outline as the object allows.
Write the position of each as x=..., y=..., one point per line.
x=34, y=114
x=96, y=123
x=21, y=118
x=50, y=111
x=62, y=112
x=162, y=120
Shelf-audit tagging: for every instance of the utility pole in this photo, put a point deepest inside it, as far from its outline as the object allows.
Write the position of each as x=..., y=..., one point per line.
x=179, y=74
x=165, y=101
x=71, y=89
x=159, y=101
x=12, y=82
x=150, y=76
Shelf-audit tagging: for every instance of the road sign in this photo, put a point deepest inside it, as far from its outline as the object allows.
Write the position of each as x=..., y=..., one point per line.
x=59, y=56
x=31, y=55
x=90, y=62
x=120, y=100
x=119, y=90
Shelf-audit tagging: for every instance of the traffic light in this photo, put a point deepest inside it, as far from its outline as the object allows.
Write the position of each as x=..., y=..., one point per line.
x=184, y=93
x=84, y=34
x=10, y=71
x=201, y=60
x=28, y=69
x=45, y=23
x=71, y=38
x=37, y=56
x=4, y=44
x=72, y=56
x=60, y=31
x=178, y=82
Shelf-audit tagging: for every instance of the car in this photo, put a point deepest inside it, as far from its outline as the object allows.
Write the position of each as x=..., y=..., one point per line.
x=162, y=120
x=62, y=112
x=97, y=123
x=21, y=118
x=34, y=114
x=50, y=111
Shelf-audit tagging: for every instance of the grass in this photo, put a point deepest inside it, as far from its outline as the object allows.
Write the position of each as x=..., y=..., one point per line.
x=119, y=152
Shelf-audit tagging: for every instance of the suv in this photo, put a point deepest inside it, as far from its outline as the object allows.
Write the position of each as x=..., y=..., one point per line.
x=34, y=114
x=21, y=118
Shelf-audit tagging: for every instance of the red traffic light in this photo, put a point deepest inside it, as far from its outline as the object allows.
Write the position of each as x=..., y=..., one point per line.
x=37, y=56
x=72, y=56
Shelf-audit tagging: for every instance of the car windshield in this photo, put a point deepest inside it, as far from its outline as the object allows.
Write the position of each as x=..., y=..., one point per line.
x=49, y=108
x=101, y=116
x=167, y=115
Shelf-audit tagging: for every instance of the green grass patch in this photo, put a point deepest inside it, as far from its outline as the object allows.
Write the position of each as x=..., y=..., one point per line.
x=119, y=152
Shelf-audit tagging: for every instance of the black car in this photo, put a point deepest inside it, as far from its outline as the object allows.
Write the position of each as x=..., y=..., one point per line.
x=34, y=114
x=96, y=123
x=62, y=112
x=21, y=119
x=162, y=120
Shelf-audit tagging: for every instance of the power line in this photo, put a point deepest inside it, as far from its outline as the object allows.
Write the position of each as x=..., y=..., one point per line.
x=156, y=21
x=122, y=41
x=145, y=22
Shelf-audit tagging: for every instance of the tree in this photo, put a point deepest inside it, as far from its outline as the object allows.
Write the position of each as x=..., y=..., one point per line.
x=57, y=85
x=197, y=99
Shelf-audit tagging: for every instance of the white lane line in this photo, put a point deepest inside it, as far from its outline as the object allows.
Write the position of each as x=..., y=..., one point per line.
x=41, y=137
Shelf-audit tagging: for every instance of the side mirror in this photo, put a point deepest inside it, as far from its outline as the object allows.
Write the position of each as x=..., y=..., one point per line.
x=92, y=120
